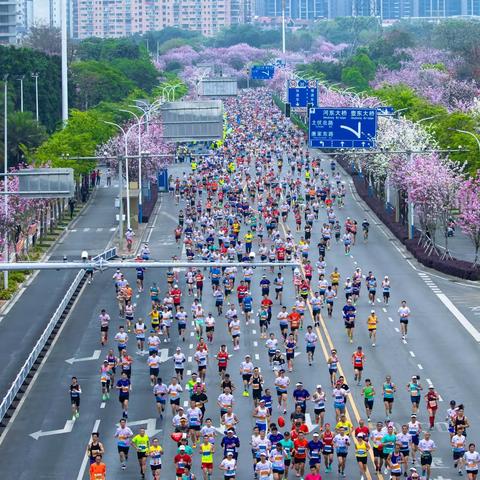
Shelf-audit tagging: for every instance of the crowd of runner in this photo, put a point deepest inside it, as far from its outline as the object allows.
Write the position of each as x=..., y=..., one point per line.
x=262, y=197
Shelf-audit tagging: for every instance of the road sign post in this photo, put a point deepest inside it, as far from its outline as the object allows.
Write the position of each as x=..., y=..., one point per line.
x=262, y=72
x=342, y=127
x=301, y=93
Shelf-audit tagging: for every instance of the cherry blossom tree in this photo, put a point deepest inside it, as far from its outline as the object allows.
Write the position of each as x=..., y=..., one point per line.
x=468, y=199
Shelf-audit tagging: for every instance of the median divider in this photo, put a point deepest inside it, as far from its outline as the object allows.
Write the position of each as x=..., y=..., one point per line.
x=25, y=375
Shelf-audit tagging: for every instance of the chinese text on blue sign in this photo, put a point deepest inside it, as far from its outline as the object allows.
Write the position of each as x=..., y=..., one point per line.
x=302, y=92
x=342, y=127
x=262, y=72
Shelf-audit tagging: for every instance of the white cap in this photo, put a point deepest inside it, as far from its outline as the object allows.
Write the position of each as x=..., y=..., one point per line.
x=319, y=386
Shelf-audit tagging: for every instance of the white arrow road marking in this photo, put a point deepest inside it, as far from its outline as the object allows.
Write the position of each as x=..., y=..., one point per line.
x=163, y=354
x=95, y=356
x=357, y=133
x=151, y=424
x=66, y=429
x=308, y=422
x=297, y=354
x=220, y=429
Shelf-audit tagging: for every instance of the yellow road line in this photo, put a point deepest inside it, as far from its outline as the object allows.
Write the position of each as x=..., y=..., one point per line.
x=326, y=354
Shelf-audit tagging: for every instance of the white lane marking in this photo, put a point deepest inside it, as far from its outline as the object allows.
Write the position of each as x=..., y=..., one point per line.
x=384, y=310
x=45, y=358
x=355, y=263
x=189, y=372
x=255, y=344
x=87, y=229
x=192, y=334
x=378, y=300
x=102, y=405
x=85, y=460
x=154, y=220
x=396, y=329
x=254, y=331
x=459, y=316
x=390, y=319
x=429, y=382
x=189, y=361
x=99, y=229
x=440, y=399
x=412, y=354
x=185, y=403
x=190, y=346
x=257, y=356
x=73, y=230
x=113, y=229
x=419, y=365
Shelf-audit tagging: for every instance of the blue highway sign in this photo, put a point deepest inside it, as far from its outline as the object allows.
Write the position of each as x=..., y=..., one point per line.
x=262, y=72
x=302, y=92
x=342, y=127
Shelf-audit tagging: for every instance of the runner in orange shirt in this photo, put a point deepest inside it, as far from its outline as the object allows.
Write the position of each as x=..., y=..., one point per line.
x=294, y=318
x=98, y=470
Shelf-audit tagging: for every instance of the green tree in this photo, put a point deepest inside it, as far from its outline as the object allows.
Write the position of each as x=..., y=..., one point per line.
x=18, y=62
x=384, y=50
x=24, y=135
x=84, y=131
x=140, y=71
x=352, y=77
x=98, y=81
x=363, y=63
x=109, y=48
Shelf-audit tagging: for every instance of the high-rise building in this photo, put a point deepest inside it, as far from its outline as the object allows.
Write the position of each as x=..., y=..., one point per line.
x=118, y=18
x=8, y=21
x=294, y=9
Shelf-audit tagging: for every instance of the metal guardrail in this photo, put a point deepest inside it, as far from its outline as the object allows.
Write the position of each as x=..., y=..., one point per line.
x=32, y=358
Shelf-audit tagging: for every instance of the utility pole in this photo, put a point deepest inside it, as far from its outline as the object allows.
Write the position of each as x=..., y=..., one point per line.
x=20, y=79
x=64, y=63
x=5, y=179
x=283, y=27
x=35, y=76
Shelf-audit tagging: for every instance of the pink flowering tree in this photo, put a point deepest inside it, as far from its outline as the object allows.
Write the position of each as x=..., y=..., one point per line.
x=432, y=185
x=152, y=145
x=468, y=199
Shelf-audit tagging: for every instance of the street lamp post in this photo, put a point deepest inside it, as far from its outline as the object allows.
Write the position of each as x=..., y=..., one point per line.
x=139, y=139
x=64, y=63
x=120, y=180
x=35, y=76
x=20, y=79
x=283, y=27
x=468, y=133
x=5, y=180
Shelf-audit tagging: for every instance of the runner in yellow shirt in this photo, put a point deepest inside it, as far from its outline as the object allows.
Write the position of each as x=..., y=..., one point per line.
x=344, y=423
x=372, y=322
x=155, y=453
x=206, y=451
x=141, y=443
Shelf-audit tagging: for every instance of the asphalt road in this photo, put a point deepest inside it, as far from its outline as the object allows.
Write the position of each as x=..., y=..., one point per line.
x=23, y=323
x=439, y=349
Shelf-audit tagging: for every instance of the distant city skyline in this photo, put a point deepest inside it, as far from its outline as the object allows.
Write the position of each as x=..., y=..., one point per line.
x=119, y=18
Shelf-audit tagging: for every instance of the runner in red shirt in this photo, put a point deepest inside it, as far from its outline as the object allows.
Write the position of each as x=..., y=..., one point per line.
x=281, y=253
x=327, y=440
x=242, y=290
x=300, y=446
x=180, y=460
x=176, y=294
x=222, y=358
x=363, y=429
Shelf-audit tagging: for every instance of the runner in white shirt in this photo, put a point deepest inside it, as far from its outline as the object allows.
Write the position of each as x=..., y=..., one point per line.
x=246, y=371
x=281, y=384
x=471, y=459
x=271, y=345
x=404, y=314
x=229, y=466
x=263, y=469
x=179, y=363
x=426, y=446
